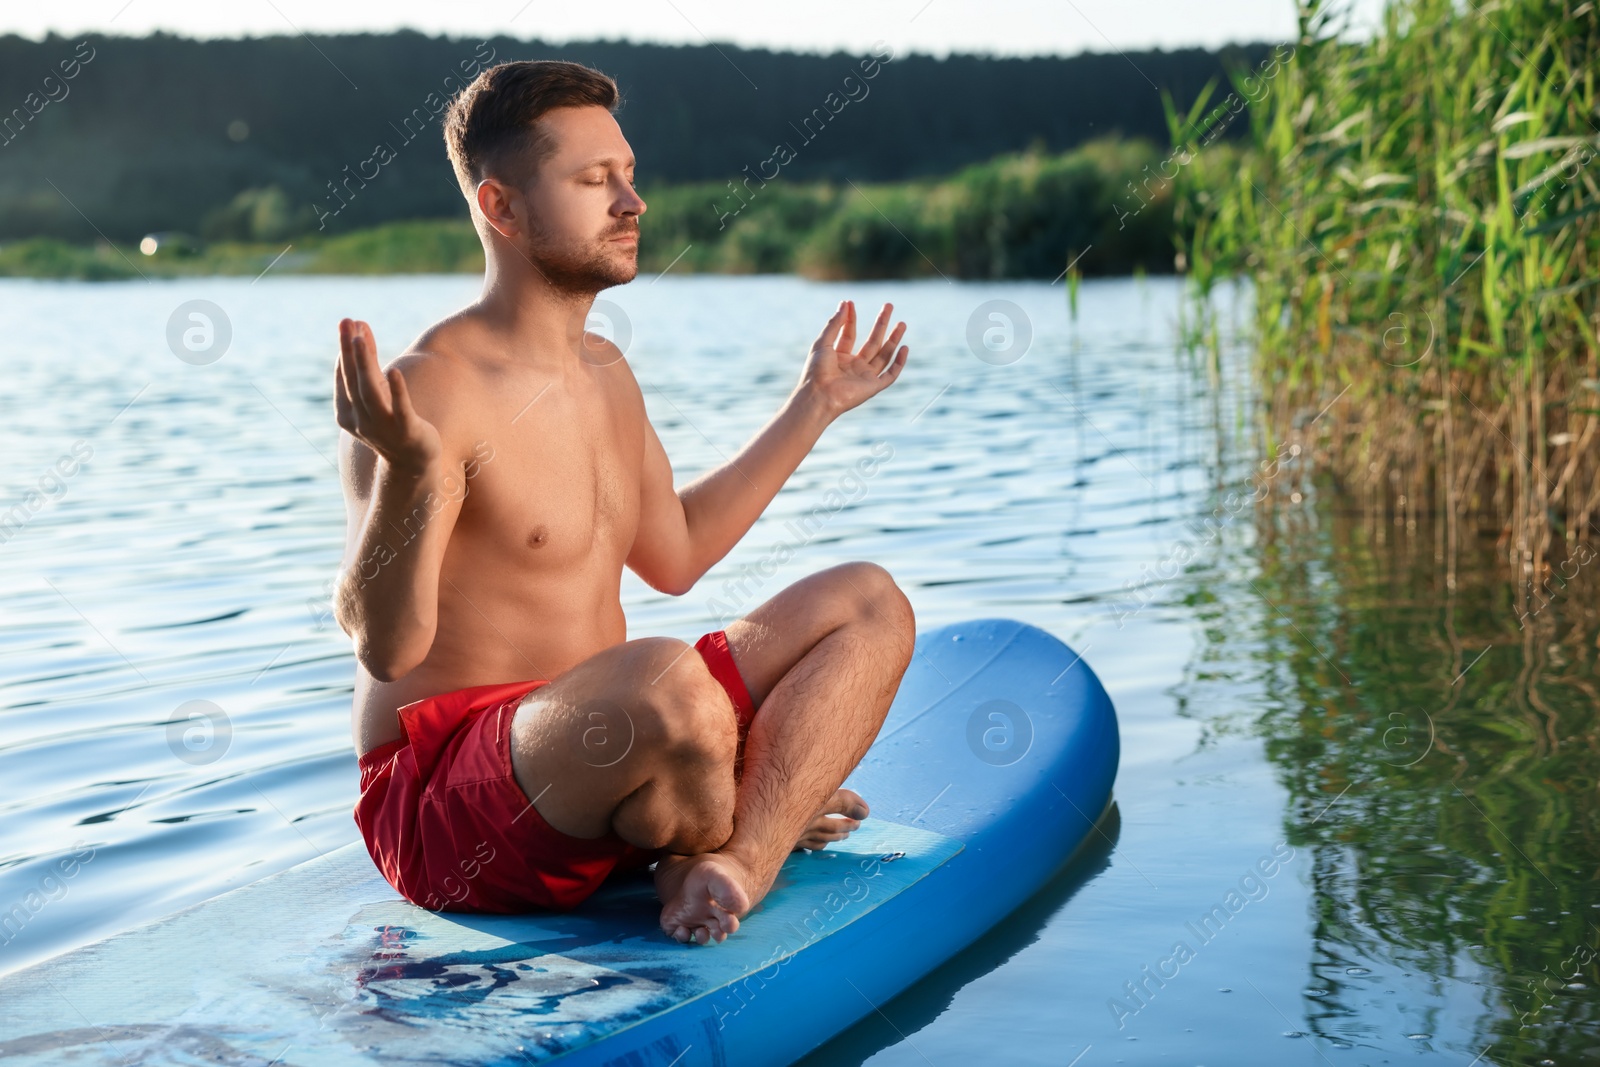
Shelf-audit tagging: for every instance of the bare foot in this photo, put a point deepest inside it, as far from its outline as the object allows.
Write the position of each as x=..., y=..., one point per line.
x=703, y=897
x=824, y=830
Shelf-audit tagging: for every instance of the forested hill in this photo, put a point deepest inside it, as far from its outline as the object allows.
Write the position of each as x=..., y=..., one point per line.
x=121, y=136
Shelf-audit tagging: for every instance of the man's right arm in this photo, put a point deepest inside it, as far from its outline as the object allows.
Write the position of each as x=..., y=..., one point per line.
x=387, y=595
x=400, y=511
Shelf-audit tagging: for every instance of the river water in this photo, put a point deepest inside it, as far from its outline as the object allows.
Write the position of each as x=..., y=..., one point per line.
x=1300, y=690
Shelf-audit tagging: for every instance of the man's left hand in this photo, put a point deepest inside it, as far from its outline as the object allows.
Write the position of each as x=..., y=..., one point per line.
x=841, y=377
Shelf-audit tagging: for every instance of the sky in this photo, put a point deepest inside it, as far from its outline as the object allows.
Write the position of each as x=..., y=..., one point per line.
x=937, y=27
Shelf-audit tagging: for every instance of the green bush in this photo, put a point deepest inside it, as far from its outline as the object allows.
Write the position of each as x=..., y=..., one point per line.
x=45, y=257
x=421, y=246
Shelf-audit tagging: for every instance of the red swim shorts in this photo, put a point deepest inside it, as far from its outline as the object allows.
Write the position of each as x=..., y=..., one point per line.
x=450, y=828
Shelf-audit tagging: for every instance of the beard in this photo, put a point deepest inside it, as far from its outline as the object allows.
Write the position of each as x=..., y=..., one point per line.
x=584, y=271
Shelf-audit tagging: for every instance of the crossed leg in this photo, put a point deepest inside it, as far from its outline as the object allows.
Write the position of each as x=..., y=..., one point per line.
x=822, y=660
x=658, y=754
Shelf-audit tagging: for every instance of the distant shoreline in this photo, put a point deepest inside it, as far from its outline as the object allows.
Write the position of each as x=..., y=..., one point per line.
x=1022, y=215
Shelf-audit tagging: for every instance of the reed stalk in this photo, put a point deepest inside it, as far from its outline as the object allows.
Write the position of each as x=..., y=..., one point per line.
x=1419, y=213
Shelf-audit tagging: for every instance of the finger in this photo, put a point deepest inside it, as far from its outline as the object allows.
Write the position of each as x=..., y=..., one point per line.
x=401, y=394
x=375, y=372
x=875, y=338
x=355, y=376
x=847, y=337
x=881, y=356
x=372, y=386
x=343, y=410
x=829, y=336
x=351, y=369
x=887, y=378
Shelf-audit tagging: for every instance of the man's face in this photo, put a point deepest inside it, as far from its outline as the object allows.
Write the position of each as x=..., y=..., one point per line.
x=582, y=201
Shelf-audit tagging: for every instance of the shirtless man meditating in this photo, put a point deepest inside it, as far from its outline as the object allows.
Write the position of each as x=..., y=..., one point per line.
x=515, y=747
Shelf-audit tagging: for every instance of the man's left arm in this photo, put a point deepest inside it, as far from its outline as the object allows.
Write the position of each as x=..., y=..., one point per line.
x=683, y=533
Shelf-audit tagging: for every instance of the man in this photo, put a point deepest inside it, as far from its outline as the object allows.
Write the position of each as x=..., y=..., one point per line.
x=515, y=746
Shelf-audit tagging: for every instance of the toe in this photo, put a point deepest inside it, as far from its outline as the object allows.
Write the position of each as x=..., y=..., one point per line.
x=833, y=829
x=847, y=802
x=857, y=808
x=724, y=923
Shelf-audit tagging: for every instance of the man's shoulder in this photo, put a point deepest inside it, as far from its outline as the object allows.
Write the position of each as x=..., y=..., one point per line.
x=442, y=369
x=604, y=354
x=440, y=354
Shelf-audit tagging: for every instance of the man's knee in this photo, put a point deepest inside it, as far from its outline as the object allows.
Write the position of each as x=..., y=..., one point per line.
x=871, y=596
x=687, y=728
x=682, y=712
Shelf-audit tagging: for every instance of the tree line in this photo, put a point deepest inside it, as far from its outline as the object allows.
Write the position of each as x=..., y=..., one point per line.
x=260, y=138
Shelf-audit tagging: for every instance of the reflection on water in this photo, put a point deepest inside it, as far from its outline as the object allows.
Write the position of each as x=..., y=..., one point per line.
x=174, y=698
x=1439, y=747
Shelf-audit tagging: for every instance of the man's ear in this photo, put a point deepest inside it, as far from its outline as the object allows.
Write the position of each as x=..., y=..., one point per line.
x=499, y=202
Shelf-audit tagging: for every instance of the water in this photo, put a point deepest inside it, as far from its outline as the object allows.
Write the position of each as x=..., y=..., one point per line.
x=1298, y=689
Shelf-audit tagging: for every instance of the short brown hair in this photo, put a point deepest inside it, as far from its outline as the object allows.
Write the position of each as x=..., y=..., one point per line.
x=492, y=127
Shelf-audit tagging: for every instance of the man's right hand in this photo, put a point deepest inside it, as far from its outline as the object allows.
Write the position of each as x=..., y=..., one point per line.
x=375, y=408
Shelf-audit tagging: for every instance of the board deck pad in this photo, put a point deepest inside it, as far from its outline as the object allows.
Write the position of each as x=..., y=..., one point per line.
x=324, y=963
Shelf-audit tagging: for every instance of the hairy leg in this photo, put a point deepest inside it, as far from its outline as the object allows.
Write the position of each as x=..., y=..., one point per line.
x=822, y=660
x=638, y=739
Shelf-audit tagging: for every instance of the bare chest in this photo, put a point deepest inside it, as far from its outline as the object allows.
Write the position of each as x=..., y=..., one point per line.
x=545, y=498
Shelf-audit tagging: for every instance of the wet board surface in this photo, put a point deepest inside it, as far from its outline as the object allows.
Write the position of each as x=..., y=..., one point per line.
x=996, y=759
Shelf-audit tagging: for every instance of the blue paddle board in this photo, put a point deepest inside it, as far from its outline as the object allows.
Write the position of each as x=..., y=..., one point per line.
x=994, y=764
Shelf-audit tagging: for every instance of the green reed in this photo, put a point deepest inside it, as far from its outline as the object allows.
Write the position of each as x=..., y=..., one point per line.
x=1419, y=215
